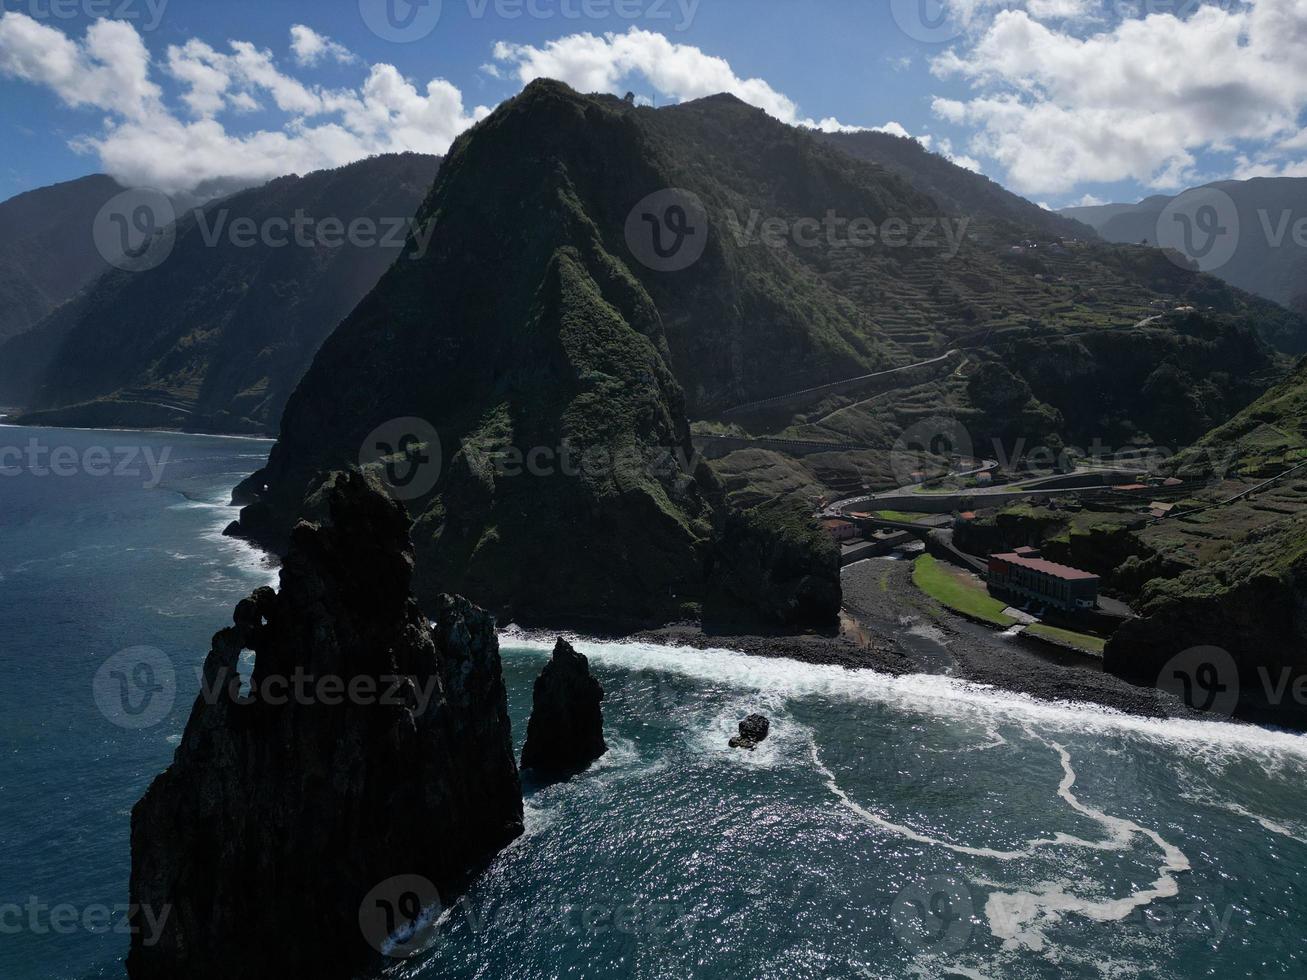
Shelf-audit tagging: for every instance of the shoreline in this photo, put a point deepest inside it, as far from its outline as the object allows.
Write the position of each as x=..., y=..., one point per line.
x=162, y=432
x=896, y=632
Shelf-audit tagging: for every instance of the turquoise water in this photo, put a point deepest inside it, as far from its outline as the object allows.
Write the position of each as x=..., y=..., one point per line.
x=888, y=827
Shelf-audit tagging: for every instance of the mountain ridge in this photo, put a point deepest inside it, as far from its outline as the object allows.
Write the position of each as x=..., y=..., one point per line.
x=215, y=336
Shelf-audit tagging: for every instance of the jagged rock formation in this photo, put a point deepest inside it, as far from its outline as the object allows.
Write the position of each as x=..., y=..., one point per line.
x=566, y=730
x=753, y=729
x=285, y=807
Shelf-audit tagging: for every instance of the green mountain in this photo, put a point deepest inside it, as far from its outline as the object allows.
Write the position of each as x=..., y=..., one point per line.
x=47, y=251
x=215, y=336
x=1230, y=570
x=958, y=190
x=559, y=313
x=1270, y=258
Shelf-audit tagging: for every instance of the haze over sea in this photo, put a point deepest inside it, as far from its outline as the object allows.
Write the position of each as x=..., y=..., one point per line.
x=888, y=827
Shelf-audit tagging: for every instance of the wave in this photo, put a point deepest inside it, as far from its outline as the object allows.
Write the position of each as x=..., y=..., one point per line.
x=1019, y=918
x=926, y=694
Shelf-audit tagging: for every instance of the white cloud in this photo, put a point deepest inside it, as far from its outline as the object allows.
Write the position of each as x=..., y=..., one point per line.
x=309, y=47
x=108, y=70
x=590, y=63
x=1089, y=201
x=143, y=142
x=1136, y=100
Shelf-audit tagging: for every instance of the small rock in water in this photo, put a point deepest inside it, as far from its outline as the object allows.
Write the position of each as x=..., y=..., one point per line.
x=753, y=730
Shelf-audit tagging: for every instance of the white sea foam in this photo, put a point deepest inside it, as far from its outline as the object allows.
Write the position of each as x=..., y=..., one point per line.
x=927, y=694
x=1266, y=823
x=1020, y=917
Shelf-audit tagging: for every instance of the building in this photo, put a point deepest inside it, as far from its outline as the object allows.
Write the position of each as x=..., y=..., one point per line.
x=840, y=530
x=1022, y=575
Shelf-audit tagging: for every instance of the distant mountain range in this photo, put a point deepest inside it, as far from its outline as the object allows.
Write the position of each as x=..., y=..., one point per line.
x=1270, y=255
x=601, y=274
x=47, y=249
x=215, y=335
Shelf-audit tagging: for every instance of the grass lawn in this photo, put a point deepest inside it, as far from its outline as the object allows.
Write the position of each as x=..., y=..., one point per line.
x=958, y=591
x=1082, y=641
x=903, y=516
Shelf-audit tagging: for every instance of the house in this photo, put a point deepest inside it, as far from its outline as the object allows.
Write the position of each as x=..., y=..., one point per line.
x=985, y=479
x=1021, y=576
x=840, y=529
x=1160, y=510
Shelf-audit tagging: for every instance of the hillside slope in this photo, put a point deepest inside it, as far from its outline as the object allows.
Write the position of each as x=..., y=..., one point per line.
x=540, y=319
x=47, y=251
x=956, y=189
x=216, y=336
x=1236, y=557
x=1268, y=260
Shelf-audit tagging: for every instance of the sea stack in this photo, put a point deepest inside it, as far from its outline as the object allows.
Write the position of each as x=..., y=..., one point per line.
x=566, y=730
x=753, y=730
x=371, y=749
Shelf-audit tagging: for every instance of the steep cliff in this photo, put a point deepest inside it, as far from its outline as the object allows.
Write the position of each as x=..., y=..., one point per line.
x=366, y=750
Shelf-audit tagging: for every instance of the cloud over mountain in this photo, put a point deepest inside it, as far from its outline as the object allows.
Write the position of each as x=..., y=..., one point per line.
x=1088, y=100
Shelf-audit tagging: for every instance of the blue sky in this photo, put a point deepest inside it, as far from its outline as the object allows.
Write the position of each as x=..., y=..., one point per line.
x=1061, y=100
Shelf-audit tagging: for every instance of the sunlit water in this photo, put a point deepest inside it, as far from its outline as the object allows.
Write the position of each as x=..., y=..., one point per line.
x=887, y=827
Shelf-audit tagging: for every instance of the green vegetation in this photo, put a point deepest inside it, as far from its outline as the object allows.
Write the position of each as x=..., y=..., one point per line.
x=903, y=516
x=216, y=337
x=574, y=342
x=954, y=589
x=1082, y=641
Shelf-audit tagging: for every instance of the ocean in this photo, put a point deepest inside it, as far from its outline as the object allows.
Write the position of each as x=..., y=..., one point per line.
x=888, y=827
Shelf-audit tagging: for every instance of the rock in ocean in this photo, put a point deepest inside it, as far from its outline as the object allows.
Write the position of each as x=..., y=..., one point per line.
x=284, y=808
x=753, y=730
x=566, y=730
